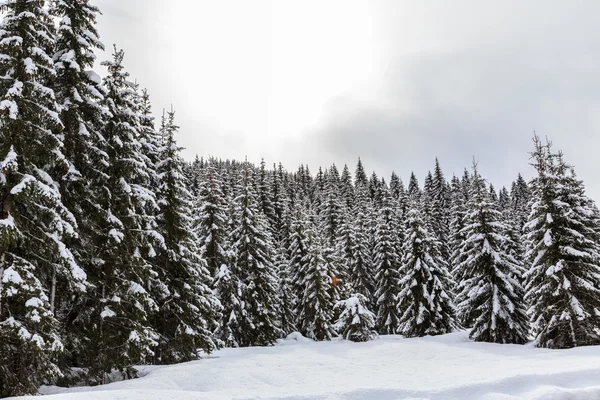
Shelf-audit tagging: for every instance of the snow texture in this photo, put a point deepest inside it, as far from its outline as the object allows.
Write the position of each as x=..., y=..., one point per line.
x=447, y=367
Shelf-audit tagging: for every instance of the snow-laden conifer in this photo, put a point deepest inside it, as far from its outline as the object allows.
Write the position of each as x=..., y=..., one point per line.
x=355, y=322
x=563, y=277
x=490, y=295
x=425, y=299
x=36, y=264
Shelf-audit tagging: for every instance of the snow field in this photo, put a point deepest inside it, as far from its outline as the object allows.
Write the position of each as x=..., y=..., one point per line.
x=444, y=367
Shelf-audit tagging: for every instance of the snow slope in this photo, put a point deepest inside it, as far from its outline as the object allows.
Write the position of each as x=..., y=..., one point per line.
x=389, y=368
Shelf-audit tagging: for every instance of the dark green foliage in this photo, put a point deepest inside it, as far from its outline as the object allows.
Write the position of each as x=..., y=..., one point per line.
x=563, y=278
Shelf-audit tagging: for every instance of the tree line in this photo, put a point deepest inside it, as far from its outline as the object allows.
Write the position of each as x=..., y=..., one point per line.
x=115, y=252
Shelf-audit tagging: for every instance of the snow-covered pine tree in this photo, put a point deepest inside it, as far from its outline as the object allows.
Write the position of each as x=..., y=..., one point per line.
x=254, y=251
x=425, y=299
x=414, y=192
x=360, y=270
x=211, y=223
x=563, y=279
x=395, y=186
x=115, y=317
x=490, y=295
x=228, y=289
x=346, y=188
x=188, y=311
x=457, y=223
x=287, y=301
x=316, y=302
x=374, y=185
x=79, y=91
x=493, y=196
x=520, y=195
x=36, y=264
x=297, y=253
x=265, y=196
x=387, y=263
x=355, y=322
x=439, y=209
x=503, y=199
x=280, y=200
x=360, y=176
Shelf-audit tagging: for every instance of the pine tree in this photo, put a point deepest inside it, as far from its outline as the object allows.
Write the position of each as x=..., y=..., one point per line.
x=360, y=270
x=355, y=322
x=254, y=252
x=457, y=223
x=346, y=188
x=360, y=176
x=316, y=302
x=115, y=316
x=414, y=192
x=280, y=202
x=265, y=196
x=211, y=224
x=440, y=209
x=520, y=195
x=395, y=186
x=563, y=280
x=387, y=262
x=36, y=264
x=503, y=199
x=424, y=301
x=287, y=300
x=188, y=311
x=490, y=294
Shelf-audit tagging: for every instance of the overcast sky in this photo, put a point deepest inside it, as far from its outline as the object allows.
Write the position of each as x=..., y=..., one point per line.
x=394, y=82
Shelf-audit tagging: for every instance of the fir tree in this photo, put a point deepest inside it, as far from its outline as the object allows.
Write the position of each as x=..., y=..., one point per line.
x=520, y=195
x=414, y=192
x=35, y=226
x=316, y=303
x=188, y=311
x=563, y=280
x=490, y=294
x=355, y=322
x=360, y=176
x=424, y=301
x=211, y=223
x=254, y=252
x=387, y=262
x=346, y=188
x=115, y=317
x=360, y=270
x=287, y=301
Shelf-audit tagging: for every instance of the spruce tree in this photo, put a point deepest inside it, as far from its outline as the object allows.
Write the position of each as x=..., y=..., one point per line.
x=36, y=264
x=563, y=278
x=316, y=302
x=360, y=269
x=387, y=263
x=297, y=252
x=490, y=295
x=355, y=322
x=346, y=188
x=440, y=209
x=360, y=176
x=211, y=223
x=254, y=253
x=425, y=299
x=287, y=301
x=188, y=311
x=115, y=316
x=414, y=192
x=520, y=195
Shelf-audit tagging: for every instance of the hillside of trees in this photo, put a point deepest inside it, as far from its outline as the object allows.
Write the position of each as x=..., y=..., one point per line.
x=115, y=252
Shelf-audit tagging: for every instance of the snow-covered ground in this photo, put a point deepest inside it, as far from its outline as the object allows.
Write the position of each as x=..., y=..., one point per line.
x=388, y=368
